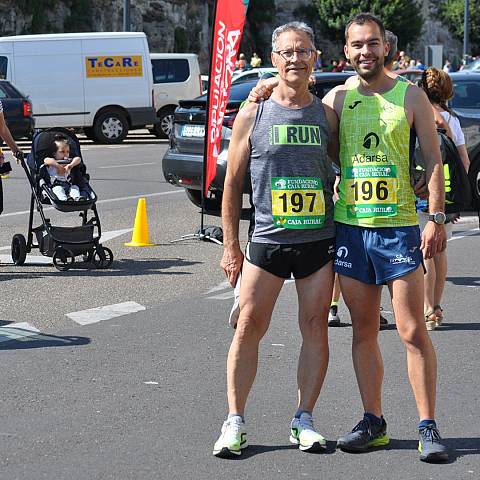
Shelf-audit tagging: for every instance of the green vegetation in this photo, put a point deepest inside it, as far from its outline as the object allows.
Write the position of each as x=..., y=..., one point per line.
x=402, y=17
x=451, y=12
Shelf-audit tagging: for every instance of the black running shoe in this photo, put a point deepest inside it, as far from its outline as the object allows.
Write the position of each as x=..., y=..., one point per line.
x=430, y=445
x=364, y=436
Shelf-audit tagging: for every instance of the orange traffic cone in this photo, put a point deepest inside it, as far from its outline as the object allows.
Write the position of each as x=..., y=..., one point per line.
x=140, y=236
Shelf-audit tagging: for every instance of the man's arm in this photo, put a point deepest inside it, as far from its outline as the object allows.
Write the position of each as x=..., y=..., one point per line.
x=333, y=144
x=238, y=158
x=420, y=114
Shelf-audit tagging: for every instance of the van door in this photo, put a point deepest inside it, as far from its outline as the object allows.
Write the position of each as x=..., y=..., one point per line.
x=169, y=78
x=50, y=72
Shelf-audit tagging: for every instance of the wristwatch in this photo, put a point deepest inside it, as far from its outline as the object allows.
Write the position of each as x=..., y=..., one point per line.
x=439, y=218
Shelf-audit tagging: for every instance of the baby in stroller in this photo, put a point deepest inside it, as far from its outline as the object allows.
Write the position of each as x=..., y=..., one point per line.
x=59, y=170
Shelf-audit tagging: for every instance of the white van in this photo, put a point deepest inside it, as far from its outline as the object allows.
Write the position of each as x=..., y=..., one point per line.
x=176, y=76
x=101, y=82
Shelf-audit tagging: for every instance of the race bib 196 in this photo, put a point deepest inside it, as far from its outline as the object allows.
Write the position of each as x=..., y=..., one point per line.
x=298, y=202
x=371, y=191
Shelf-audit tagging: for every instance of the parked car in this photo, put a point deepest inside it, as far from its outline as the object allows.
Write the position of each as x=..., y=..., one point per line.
x=472, y=67
x=17, y=109
x=414, y=75
x=252, y=74
x=183, y=162
x=176, y=76
x=466, y=105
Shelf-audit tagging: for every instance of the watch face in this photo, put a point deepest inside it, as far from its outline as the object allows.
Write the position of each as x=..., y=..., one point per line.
x=439, y=218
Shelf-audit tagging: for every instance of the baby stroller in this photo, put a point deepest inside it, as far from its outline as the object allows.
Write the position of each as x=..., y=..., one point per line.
x=63, y=244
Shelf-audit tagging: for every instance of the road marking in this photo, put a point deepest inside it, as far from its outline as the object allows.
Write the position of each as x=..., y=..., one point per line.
x=98, y=314
x=150, y=383
x=31, y=259
x=17, y=331
x=129, y=165
x=221, y=286
x=468, y=233
x=108, y=200
x=106, y=236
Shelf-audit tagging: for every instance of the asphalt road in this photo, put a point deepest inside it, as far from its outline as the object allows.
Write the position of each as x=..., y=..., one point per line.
x=142, y=395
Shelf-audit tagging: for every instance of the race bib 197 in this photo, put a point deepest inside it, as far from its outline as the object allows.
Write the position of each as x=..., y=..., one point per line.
x=371, y=191
x=298, y=202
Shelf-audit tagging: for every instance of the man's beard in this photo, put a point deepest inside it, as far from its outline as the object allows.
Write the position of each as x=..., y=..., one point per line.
x=368, y=74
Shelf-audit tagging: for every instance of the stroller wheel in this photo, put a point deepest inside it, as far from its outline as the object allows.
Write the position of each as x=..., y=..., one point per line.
x=19, y=249
x=103, y=257
x=63, y=259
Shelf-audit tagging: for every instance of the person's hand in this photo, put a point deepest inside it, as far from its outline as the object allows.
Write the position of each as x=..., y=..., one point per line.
x=68, y=168
x=336, y=190
x=61, y=170
x=262, y=90
x=420, y=187
x=19, y=155
x=231, y=264
x=434, y=240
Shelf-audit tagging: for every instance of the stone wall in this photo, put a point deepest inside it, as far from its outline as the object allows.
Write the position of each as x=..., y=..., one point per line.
x=174, y=25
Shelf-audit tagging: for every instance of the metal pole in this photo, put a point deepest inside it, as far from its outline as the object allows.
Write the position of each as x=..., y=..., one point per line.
x=466, y=21
x=126, y=15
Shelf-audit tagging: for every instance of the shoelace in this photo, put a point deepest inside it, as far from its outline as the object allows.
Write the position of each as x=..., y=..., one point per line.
x=430, y=433
x=234, y=426
x=306, y=422
x=363, y=426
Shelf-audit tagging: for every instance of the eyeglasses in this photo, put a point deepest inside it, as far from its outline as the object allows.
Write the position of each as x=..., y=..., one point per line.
x=302, y=54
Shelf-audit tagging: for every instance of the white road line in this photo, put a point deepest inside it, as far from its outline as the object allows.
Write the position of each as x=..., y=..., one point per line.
x=106, y=236
x=221, y=286
x=468, y=233
x=98, y=314
x=129, y=165
x=17, y=331
x=108, y=200
x=31, y=260
x=222, y=296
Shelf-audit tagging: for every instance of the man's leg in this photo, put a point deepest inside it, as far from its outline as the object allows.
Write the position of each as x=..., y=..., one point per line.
x=258, y=294
x=314, y=294
x=407, y=300
x=363, y=302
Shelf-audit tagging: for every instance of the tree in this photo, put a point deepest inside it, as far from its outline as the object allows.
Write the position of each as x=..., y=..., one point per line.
x=402, y=17
x=451, y=12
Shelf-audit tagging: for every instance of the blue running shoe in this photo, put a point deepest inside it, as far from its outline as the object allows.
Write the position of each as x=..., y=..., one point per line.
x=430, y=445
x=364, y=436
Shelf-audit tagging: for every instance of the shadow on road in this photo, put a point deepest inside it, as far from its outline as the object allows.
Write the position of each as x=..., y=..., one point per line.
x=14, y=338
x=144, y=266
x=468, y=281
x=459, y=447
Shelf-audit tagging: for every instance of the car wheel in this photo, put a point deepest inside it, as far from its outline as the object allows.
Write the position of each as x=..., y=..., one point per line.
x=164, y=126
x=19, y=249
x=110, y=127
x=213, y=204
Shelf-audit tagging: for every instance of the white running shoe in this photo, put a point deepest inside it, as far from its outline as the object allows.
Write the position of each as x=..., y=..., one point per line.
x=304, y=435
x=232, y=439
x=333, y=318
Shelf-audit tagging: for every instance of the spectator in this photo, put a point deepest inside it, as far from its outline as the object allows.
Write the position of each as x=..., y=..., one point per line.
x=255, y=61
x=420, y=65
x=318, y=65
x=241, y=62
x=447, y=68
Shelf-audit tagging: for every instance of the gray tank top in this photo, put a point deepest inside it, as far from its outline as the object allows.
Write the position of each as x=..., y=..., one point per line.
x=291, y=175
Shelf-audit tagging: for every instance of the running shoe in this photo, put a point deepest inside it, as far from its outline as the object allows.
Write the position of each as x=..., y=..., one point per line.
x=333, y=318
x=383, y=320
x=430, y=445
x=232, y=439
x=303, y=434
x=364, y=436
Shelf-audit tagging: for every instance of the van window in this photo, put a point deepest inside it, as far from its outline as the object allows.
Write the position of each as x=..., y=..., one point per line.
x=467, y=94
x=3, y=94
x=3, y=67
x=170, y=70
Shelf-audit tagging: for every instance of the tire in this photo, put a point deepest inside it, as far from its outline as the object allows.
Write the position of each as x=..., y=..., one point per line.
x=110, y=127
x=19, y=249
x=63, y=259
x=212, y=204
x=103, y=257
x=163, y=128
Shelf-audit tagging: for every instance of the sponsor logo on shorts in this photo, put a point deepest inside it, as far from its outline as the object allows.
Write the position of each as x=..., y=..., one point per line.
x=342, y=252
x=402, y=259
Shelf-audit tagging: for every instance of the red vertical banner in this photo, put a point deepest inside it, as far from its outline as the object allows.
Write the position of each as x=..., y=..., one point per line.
x=228, y=23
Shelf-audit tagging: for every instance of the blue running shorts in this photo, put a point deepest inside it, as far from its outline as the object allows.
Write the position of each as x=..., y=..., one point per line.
x=377, y=255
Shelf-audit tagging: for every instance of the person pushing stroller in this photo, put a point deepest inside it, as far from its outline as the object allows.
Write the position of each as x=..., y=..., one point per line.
x=60, y=171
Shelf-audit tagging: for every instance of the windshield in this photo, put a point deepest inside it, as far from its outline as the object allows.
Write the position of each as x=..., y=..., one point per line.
x=238, y=93
x=472, y=66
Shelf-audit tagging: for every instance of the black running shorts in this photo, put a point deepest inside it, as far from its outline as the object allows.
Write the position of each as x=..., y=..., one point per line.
x=301, y=259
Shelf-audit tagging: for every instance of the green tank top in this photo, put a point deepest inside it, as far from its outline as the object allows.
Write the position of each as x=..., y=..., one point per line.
x=375, y=188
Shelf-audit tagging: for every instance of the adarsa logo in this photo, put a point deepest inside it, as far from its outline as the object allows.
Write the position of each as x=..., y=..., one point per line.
x=360, y=158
